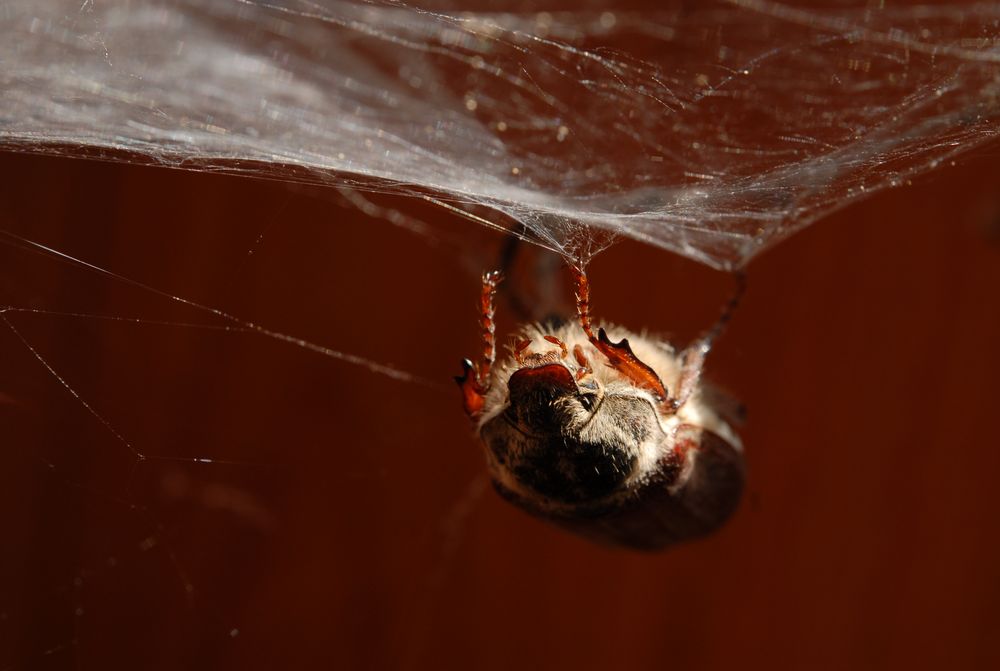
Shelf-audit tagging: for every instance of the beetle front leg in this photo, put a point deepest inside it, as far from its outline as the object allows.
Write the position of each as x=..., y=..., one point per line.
x=619, y=354
x=475, y=378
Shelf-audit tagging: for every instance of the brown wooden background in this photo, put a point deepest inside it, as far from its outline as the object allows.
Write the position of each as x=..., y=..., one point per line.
x=358, y=531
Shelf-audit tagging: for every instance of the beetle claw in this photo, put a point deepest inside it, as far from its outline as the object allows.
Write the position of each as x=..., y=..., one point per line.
x=473, y=392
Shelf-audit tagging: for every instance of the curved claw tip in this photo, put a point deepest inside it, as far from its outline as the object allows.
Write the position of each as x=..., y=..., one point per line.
x=466, y=368
x=473, y=393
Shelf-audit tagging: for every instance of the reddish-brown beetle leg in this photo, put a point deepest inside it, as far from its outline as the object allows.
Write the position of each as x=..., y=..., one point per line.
x=583, y=301
x=475, y=378
x=581, y=360
x=619, y=355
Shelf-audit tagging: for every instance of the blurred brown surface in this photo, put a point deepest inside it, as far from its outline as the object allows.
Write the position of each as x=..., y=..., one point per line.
x=356, y=529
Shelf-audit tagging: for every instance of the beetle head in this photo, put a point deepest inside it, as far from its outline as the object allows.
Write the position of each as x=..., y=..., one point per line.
x=569, y=441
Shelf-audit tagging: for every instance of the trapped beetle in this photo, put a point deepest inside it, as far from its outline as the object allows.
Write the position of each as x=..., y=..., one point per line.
x=584, y=431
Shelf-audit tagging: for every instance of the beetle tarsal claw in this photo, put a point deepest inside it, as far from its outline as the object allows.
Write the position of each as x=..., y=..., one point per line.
x=473, y=391
x=466, y=367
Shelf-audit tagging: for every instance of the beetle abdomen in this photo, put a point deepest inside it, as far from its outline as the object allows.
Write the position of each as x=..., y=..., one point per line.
x=679, y=503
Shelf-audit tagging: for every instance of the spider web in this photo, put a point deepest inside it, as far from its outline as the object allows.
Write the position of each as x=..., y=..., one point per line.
x=712, y=132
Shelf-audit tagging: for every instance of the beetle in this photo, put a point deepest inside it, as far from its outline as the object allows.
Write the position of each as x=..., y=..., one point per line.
x=581, y=428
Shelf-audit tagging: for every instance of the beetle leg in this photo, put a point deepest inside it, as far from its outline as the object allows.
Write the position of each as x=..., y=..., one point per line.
x=694, y=355
x=728, y=311
x=694, y=363
x=583, y=300
x=581, y=360
x=619, y=355
x=474, y=380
